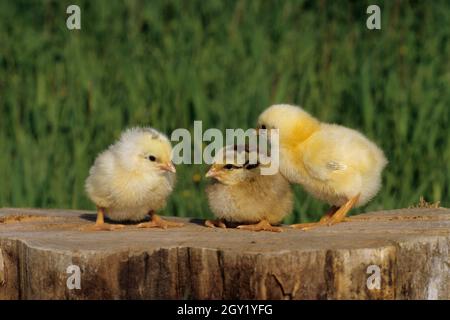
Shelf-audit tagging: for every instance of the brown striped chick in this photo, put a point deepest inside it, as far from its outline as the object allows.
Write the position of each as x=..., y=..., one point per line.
x=240, y=194
x=132, y=179
x=333, y=163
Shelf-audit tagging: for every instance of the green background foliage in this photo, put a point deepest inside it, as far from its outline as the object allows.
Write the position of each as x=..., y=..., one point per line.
x=66, y=95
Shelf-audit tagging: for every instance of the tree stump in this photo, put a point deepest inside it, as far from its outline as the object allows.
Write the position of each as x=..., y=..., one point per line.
x=399, y=254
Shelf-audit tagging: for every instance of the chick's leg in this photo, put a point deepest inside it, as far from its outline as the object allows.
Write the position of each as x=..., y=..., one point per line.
x=327, y=216
x=263, y=225
x=340, y=215
x=215, y=223
x=100, y=224
x=158, y=222
x=336, y=217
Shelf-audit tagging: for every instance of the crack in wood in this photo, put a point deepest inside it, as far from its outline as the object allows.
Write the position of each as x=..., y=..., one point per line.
x=2, y=269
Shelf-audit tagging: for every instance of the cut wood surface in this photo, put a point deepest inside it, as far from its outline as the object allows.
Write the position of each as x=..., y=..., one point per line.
x=409, y=248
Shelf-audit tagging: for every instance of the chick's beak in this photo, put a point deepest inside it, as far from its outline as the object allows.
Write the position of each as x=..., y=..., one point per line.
x=168, y=167
x=211, y=173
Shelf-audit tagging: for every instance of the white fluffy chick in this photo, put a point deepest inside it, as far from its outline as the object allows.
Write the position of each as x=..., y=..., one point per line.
x=132, y=179
x=335, y=164
x=241, y=194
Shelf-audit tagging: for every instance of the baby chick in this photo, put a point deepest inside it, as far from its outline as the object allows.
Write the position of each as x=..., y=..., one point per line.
x=335, y=164
x=132, y=179
x=240, y=194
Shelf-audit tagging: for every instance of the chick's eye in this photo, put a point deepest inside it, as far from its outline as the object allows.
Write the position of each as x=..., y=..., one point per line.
x=263, y=126
x=251, y=166
x=152, y=158
x=228, y=166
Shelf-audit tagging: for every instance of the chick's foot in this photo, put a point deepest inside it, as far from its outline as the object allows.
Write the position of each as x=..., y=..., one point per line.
x=103, y=227
x=263, y=225
x=158, y=222
x=334, y=216
x=323, y=221
x=215, y=223
x=308, y=226
x=100, y=224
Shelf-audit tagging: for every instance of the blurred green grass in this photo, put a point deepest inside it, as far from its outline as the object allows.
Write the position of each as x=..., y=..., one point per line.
x=66, y=95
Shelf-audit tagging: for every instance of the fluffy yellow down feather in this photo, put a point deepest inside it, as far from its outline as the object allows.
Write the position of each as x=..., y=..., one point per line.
x=335, y=164
x=240, y=194
x=132, y=178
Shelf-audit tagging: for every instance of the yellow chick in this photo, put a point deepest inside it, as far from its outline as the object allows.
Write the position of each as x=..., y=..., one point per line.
x=132, y=179
x=335, y=164
x=240, y=194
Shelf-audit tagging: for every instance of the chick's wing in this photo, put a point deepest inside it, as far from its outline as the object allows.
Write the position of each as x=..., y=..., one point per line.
x=333, y=150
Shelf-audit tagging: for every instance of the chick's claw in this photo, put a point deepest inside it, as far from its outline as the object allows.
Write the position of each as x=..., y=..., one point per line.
x=260, y=226
x=215, y=223
x=158, y=222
